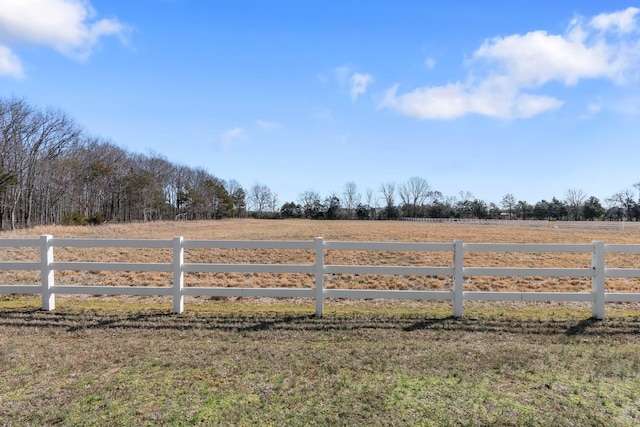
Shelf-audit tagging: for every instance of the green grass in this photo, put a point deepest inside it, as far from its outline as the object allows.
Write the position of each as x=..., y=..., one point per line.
x=96, y=362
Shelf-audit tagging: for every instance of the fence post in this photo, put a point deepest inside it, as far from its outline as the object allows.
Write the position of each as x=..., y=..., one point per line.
x=178, y=275
x=597, y=281
x=458, y=276
x=319, y=276
x=47, y=280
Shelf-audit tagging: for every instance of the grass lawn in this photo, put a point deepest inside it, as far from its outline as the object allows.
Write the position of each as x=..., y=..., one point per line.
x=123, y=362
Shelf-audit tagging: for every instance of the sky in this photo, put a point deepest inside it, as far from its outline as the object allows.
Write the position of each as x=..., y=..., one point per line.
x=529, y=98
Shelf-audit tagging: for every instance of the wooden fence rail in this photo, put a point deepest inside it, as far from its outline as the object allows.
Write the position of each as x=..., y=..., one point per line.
x=456, y=270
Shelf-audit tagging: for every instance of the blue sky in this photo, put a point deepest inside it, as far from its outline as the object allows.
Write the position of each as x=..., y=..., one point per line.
x=531, y=98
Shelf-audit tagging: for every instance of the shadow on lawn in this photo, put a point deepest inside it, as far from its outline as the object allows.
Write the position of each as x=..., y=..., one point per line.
x=582, y=326
x=256, y=323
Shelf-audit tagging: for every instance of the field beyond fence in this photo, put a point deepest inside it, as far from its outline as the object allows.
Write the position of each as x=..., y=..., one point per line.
x=595, y=271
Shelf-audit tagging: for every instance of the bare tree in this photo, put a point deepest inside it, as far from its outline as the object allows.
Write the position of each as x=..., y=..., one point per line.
x=238, y=196
x=574, y=199
x=91, y=180
x=260, y=196
x=388, y=191
x=273, y=203
x=509, y=203
x=351, y=198
x=30, y=139
x=371, y=200
x=623, y=202
x=311, y=203
x=371, y=203
x=413, y=194
x=464, y=204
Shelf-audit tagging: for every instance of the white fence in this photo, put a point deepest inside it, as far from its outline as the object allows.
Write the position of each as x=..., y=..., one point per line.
x=457, y=271
x=542, y=223
x=600, y=225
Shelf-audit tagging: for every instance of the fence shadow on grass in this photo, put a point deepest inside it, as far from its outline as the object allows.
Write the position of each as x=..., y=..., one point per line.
x=259, y=322
x=582, y=326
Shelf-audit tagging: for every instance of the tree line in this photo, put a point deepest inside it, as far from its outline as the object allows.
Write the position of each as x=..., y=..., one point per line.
x=416, y=199
x=53, y=172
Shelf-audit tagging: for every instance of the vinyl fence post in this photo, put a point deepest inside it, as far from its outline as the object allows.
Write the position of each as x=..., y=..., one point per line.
x=178, y=275
x=458, y=276
x=47, y=280
x=319, y=276
x=597, y=282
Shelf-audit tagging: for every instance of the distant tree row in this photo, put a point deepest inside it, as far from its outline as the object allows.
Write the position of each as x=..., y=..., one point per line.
x=416, y=199
x=53, y=172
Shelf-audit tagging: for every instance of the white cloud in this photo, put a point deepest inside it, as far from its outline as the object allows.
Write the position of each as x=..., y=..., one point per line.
x=67, y=26
x=506, y=71
x=623, y=21
x=526, y=105
x=268, y=126
x=534, y=59
x=10, y=63
x=235, y=134
x=359, y=83
x=455, y=100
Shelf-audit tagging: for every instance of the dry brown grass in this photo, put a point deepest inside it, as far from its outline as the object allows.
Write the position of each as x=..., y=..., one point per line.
x=331, y=230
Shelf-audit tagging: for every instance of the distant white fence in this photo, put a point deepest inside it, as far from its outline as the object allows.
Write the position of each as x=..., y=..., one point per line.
x=600, y=225
x=48, y=289
x=543, y=223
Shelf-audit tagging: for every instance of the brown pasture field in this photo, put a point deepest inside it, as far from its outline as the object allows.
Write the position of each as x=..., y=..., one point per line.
x=382, y=231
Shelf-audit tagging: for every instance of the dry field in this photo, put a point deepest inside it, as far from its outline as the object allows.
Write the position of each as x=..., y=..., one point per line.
x=330, y=230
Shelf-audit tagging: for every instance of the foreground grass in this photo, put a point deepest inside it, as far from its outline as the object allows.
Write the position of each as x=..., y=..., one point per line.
x=233, y=363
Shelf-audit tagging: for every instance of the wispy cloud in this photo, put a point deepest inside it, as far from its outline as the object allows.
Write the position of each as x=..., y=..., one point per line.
x=628, y=106
x=357, y=83
x=506, y=72
x=268, y=126
x=430, y=63
x=68, y=26
x=9, y=63
x=342, y=74
x=593, y=109
x=235, y=134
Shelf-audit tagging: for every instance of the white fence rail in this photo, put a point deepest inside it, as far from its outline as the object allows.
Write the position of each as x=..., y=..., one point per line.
x=543, y=223
x=457, y=271
x=599, y=225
